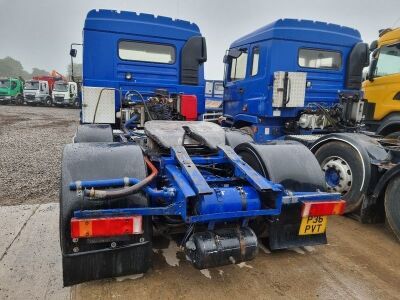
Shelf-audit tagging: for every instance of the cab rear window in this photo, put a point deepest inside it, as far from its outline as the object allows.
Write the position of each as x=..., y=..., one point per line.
x=146, y=52
x=319, y=59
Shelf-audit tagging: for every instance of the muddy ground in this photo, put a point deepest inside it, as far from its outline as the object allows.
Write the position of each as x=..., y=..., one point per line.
x=360, y=262
x=31, y=143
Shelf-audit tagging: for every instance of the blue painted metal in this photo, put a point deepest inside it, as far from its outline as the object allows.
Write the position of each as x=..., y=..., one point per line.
x=102, y=66
x=189, y=169
x=332, y=177
x=249, y=101
x=177, y=209
x=228, y=199
x=243, y=170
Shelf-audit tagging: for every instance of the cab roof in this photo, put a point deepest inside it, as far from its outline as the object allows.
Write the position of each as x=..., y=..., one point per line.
x=143, y=24
x=302, y=30
x=389, y=37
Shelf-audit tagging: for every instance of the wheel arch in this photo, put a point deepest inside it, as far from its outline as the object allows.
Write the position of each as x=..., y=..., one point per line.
x=390, y=125
x=380, y=187
x=368, y=149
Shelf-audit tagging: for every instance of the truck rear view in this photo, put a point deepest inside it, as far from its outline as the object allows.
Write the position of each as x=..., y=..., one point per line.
x=141, y=160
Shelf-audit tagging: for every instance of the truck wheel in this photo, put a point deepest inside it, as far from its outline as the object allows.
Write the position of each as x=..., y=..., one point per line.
x=343, y=169
x=77, y=104
x=392, y=205
x=20, y=100
x=83, y=260
x=295, y=167
x=49, y=101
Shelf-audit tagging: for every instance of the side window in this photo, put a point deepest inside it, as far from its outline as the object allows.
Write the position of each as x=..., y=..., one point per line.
x=238, y=67
x=255, y=61
x=13, y=85
x=319, y=59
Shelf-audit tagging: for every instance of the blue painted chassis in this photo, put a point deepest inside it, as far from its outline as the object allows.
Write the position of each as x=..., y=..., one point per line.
x=186, y=182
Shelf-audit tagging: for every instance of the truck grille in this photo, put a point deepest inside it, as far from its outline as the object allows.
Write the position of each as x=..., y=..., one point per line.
x=59, y=99
x=30, y=97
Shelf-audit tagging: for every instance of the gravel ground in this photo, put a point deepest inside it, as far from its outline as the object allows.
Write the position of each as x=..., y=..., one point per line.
x=31, y=143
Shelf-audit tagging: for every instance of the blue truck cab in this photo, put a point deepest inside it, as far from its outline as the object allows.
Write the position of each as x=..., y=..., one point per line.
x=130, y=56
x=282, y=70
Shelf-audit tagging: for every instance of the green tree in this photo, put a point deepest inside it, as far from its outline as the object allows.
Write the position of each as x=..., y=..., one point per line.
x=39, y=72
x=10, y=67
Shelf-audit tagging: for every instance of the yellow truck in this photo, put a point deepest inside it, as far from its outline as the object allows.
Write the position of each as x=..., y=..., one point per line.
x=382, y=87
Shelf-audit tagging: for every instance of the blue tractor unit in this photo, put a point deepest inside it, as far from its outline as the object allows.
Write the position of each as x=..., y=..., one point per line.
x=300, y=80
x=213, y=189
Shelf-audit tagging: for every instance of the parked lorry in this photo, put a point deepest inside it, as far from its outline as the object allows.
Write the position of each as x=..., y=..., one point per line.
x=382, y=87
x=39, y=90
x=65, y=93
x=140, y=160
x=11, y=90
x=301, y=80
x=214, y=92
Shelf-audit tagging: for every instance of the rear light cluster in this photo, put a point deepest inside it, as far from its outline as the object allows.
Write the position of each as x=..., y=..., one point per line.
x=322, y=208
x=105, y=227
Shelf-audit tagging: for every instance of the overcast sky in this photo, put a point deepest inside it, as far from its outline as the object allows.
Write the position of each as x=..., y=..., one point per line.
x=39, y=32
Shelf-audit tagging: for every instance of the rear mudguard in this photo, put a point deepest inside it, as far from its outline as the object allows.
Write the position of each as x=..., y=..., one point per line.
x=371, y=153
x=83, y=260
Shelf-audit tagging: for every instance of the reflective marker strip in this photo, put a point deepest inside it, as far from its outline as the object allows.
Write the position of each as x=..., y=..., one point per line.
x=106, y=227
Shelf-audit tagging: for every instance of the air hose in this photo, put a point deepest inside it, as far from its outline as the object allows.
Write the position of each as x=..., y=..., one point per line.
x=120, y=193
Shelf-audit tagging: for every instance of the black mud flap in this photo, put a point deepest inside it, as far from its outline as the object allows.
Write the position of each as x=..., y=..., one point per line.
x=284, y=232
x=92, y=259
x=106, y=263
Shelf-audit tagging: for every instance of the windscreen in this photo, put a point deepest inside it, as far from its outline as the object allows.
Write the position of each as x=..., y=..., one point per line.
x=61, y=87
x=4, y=83
x=146, y=52
x=31, y=85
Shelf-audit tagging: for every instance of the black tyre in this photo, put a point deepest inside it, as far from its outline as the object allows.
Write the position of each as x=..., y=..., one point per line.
x=76, y=104
x=83, y=261
x=392, y=205
x=344, y=172
x=49, y=101
x=20, y=100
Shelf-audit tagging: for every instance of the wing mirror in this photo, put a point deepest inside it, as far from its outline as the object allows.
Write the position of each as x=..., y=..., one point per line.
x=232, y=53
x=373, y=46
x=73, y=52
x=372, y=68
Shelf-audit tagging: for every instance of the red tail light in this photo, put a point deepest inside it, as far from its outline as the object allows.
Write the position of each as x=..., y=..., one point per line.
x=106, y=227
x=322, y=208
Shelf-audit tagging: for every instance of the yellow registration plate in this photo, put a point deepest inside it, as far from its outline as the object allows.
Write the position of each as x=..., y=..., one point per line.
x=313, y=225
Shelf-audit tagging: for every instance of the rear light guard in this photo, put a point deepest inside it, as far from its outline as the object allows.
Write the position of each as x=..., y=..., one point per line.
x=322, y=208
x=103, y=227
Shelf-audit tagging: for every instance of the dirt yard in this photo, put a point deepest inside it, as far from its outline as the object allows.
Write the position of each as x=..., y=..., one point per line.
x=360, y=262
